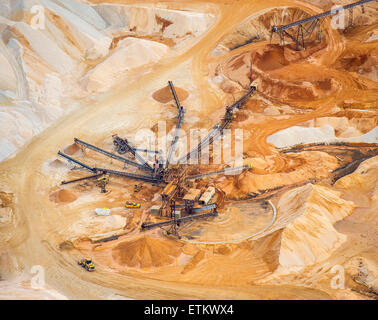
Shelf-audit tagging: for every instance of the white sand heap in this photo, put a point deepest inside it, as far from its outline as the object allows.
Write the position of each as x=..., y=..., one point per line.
x=300, y=135
x=93, y=42
x=309, y=235
x=44, y=67
x=148, y=20
x=18, y=124
x=90, y=224
x=55, y=57
x=344, y=127
x=131, y=53
x=7, y=78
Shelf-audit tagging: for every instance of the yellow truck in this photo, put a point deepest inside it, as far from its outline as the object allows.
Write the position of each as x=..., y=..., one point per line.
x=130, y=204
x=87, y=264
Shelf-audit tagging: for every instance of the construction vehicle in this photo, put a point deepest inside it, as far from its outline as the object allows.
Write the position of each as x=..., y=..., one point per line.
x=102, y=182
x=130, y=204
x=137, y=187
x=87, y=264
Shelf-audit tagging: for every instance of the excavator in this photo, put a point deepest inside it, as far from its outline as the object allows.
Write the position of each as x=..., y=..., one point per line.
x=102, y=182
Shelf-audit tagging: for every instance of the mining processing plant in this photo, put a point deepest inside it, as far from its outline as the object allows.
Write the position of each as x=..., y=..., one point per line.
x=179, y=202
x=306, y=27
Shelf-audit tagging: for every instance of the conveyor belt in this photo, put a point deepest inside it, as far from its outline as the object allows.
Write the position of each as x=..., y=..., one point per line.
x=77, y=162
x=82, y=179
x=173, y=221
x=112, y=172
x=321, y=15
x=214, y=173
x=172, y=149
x=200, y=145
x=146, y=150
x=246, y=42
x=244, y=98
x=208, y=207
x=124, y=143
x=111, y=155
x=173, y=91
x=128, y=175
x=180, y=119
x=218, y=128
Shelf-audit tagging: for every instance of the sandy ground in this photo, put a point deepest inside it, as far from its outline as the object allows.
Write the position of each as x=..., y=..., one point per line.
x=42, y=215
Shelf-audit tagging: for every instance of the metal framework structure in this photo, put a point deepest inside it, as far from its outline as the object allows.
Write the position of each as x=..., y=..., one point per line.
x=123, y=146
x=214, y=173
x=107, y=171
x=302, y=32
x=257, y=37
x=213, y=212
x=82, y=179
x=164, y=173
x=180, y=119
x=111, y=155
x=217, y=130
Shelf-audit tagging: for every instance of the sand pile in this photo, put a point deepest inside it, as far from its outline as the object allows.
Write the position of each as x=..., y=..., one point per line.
x=146, y=252
x=237, y=223
x=262, y=22
x=18, y=125
x=364, y=271
x=261, y=25
x=8, y=79
x=344, y=127
x=130, y=54
x=274, y=68
x=309, y=235
x=91, y=225
x=37, y=86
x=296, y=168
x=362, y=60
x=364, y=179
x=71, y=149
x=91, y=42
x=325, y=4
x=32, y=88
x=326, y=134
x=57, y=164
x=139, y=20
x=164, y=95
x=231, y=265
x=63, y=196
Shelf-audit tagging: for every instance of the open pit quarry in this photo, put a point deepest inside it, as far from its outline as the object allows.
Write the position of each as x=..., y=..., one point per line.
x=87, y=87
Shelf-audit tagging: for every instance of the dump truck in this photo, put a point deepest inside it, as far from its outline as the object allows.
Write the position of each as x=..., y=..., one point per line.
x=130, y=204
x=87, y=264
